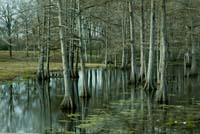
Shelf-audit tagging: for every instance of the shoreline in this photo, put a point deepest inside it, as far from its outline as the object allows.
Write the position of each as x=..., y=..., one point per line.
x=10, y=70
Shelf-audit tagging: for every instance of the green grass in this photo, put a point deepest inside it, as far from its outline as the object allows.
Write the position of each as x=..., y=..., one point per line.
x=10, y=70
x=20, y=65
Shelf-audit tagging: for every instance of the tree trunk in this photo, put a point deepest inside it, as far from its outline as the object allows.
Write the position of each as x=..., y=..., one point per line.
x=161, y=95
x=194, y=59
x=150, y=81
x=115, y=60
x=67, y=102
x=76, y=63
x=40, y=73
x=85, y=92
x=26, y=25
x=48, y=42
x=133, y=77
x=90, y=43
x=123, y=40
x=72, y=48
x=9, y=27
x=10, y=40
x=106, y=54
x=159, y=46
x=142, y=56
x=71, y=59
x=85, y=45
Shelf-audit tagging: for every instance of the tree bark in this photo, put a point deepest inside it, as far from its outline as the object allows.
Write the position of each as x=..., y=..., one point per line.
x=106, y=53
x=76, y=62
x=26, y=25
x=115, y=60
x=85, y=92
x=161, y=95
x=9, y=27
x=72, y=47
x=194, y=59
x=133, y=77
x=67, y=102
x=150, y=81
x=123, y=43
x=48, y=41
x=10, y=41
x=142, y=56
x=85, y=45
x=159, y=46
x=40, y=73
x=90, y=42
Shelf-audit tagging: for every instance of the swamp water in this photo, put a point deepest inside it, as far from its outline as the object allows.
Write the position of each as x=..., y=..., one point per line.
x=114, y=108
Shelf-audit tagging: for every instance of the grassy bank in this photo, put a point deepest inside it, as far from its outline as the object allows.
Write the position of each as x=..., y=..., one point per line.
x=23, y=66
x=10, y=70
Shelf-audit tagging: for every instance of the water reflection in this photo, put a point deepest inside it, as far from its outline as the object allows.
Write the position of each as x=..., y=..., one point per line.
x=115, y=107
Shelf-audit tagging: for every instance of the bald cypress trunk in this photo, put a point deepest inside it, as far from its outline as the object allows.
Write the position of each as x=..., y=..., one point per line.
x=90, y=43
x=115, y=60
x=9, y=28
x=150, y=81
x=194, y=59
x=133, y=77
x=106, y=38
x=123, y=44
x=76, y=62
x=67, y=102
x=10, y=42
x=123, y=35
x=85, y=93
x=159, y=46
x=161, y=95
x=48, y=41
x=26, y=27
x=40, y=72
x=106, y=53
x=142, y=55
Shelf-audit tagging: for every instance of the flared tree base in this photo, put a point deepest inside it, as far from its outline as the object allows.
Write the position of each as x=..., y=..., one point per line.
x=132, y=82
x=40, y=76
x=133, y=79
x=124, y=68
x=67, y=104
x=149, y=87
x=116, y=67
x=141, y=79
x=74, y=76
x=85, y=95
x=161, y=97
x=193, y=74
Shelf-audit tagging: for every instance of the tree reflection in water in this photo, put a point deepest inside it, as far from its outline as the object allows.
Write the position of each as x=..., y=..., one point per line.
x=115, y=106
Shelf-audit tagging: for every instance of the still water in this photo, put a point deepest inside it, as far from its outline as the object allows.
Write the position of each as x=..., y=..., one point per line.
x=114, y=108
